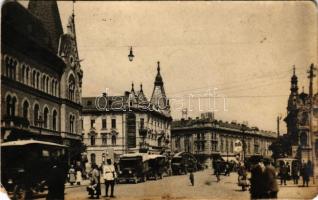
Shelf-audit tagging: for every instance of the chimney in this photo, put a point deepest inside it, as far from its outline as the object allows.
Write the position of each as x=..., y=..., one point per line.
x=104, y=94
x=127, y=93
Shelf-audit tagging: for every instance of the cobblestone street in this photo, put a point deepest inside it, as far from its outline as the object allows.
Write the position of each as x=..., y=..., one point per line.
x=178, y=187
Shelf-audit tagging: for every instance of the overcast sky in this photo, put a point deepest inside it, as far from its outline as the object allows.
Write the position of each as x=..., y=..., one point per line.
x=244, y=49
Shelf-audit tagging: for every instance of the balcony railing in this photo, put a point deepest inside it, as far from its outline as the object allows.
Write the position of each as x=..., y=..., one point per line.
x=16, y=121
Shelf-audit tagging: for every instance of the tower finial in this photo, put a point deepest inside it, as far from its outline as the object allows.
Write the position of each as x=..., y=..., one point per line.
x=158, y=68
x=303, y=89
x=140, y=87
x=132, y=86
x=294, y=70
x=73, y=8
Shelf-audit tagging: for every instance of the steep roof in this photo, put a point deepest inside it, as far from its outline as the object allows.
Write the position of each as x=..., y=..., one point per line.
x=22, y=31
x=48, y=13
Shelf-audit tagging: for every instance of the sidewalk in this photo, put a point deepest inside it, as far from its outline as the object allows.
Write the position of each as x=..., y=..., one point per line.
x=83, y=183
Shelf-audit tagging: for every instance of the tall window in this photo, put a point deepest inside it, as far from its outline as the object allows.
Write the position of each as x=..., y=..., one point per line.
x=52, y=87
x=43, y=83
x=104, y=139
x=113, y=139
x=10, y=105
x=92, y=140
x=72, y=117
x=25, y=110
x=46, y=117
x=38, y=80
x=10, y=67
x=23, y=74
x=47, y=85
x=71, y=87
x=36, y=114
x=34, y=78
x=221, y=148
x=54, y=124
x=92, y=123
x=27, y=75
x=104, y=125
x=114, y=123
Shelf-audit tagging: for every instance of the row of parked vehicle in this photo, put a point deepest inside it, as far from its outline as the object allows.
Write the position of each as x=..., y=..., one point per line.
x=139, y=167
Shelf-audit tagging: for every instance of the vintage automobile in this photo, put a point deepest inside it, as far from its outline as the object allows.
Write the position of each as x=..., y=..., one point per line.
x=157, y=164
x=183, y=162
x=133, y=167
x=25, y=165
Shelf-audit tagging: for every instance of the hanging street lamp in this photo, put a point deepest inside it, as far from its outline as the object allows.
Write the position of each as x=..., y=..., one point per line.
x=131, y=55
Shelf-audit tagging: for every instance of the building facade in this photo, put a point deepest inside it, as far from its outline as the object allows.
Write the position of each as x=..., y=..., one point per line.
x=127, y=123
x=206, y=138
x=41, y=76
x=300, y=114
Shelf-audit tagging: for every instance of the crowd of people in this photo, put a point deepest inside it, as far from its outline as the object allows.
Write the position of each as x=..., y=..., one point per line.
x=294, y=172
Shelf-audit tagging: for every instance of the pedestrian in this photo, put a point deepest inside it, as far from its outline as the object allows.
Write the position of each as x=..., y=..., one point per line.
x=217, y=170
x=55, y=181
x=283, y=173
x=270, y=183
x=78, y=176
x=306, y=174
x=242, y=177
x=256, y=180
x=227, y=169
x=109, y=175
x=295, y=172
x=191, y=177
x=71, y=175
x=95, y=182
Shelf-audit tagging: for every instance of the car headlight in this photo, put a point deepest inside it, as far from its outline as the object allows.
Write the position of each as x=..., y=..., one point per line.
x=120, y=172
x=10, y=181
x=129, y=171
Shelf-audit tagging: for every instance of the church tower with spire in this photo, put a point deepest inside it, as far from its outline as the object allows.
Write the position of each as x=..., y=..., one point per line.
x=158, y=98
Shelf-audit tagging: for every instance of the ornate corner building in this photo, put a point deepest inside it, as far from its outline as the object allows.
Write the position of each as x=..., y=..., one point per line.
x=298, y=122
x=127, y=123
x=41, y=75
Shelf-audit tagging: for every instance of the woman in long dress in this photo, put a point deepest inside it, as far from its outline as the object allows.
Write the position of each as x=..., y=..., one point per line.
x=72, y=177
x=78, y=176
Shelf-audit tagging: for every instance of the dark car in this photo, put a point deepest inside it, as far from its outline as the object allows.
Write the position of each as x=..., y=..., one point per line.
x=133, y=167
x=25, y=165
x=157, y=165
x=183, y=162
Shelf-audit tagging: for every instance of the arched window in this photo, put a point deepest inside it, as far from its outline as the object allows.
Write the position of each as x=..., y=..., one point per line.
x=13, y=104
x=27, y=75
x=8, y=105
x=34, y=79
x=38, y=80
x=43, y=83
x=46, y=117
x=93, y=158
x=54, y=124
x=52, y=87
x=71, y=123
x=25, y=110
x=71, y=87
x=36, y=114
x=113, y=139
x=11, y=65
x=92, y=140
x=47, y=85
x=23, y=74
x=104, y=139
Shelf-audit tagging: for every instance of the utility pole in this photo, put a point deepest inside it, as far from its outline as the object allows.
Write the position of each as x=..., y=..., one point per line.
x=311, y=75
x=279, y=117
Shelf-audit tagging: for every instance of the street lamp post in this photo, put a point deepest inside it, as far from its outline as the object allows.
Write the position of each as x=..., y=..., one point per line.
x=40, y=121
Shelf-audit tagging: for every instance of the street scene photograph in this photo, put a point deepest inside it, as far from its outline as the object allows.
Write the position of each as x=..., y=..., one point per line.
x=159, y=100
